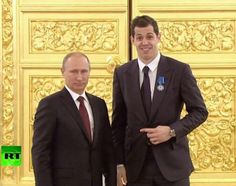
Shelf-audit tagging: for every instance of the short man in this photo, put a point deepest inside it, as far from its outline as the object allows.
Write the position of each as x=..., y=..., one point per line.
x=72, y=143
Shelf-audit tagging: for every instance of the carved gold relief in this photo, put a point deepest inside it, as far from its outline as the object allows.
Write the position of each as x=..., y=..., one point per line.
x=84, y=35
x=198, y=36
x=102, y=87
x=219, y=95
x=8, y=80
x=113, y=62
x=212, y=144
x=42, y=87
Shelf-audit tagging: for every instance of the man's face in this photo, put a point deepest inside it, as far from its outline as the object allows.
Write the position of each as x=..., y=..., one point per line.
x=76, y=73
x=145, y=40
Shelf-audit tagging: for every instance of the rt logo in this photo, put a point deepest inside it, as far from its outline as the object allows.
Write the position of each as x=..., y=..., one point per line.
x=11, y=155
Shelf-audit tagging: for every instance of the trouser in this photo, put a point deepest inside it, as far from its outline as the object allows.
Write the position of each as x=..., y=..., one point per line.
x=152, y=176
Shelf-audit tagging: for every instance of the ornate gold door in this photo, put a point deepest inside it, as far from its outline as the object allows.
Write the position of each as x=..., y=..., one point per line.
x=35, y=36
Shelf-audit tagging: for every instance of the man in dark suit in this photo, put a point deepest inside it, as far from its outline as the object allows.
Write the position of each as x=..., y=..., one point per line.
x=149, y=135
x=72, y=144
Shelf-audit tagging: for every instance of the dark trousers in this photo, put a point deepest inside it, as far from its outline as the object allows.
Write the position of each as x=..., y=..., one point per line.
x=152, y=176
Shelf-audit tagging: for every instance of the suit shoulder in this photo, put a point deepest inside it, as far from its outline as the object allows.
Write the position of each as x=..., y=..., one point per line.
x=175, y=63
x=95, y=98
x=126, y=65
x=52, y=98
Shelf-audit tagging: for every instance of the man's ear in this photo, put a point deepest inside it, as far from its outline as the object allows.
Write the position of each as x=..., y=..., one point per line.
x=159, y=36
x=132, y=39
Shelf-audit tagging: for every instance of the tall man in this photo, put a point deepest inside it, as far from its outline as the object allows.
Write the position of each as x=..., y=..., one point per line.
x=149, y=135
x=72, y=143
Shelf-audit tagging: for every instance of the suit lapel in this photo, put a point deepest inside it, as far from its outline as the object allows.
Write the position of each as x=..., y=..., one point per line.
x=133, y=85
x=164, y=71
x=72, y=109
x=95, y=111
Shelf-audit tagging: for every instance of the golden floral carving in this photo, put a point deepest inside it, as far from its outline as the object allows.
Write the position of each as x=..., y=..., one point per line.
x=218, y=93
x=212, y=144
x=84, y=35
x=8, y=81
x=198, y=36
x=42, y=87
x=112, y=63
x=102, y=87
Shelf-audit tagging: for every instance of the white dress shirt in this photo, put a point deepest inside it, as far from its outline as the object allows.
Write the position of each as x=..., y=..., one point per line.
x=152, y=72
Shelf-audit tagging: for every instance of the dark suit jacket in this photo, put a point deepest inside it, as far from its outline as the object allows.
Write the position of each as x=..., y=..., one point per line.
x=129, y=117
x=62, y=154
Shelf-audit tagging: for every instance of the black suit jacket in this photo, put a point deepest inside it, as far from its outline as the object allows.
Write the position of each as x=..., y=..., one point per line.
x=62, y=154
x=129, y=117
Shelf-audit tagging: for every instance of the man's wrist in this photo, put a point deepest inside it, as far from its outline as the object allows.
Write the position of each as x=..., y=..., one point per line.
x=120, y=165
x=172, y=133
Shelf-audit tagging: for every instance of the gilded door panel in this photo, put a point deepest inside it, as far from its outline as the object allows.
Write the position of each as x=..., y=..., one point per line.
x=40, y=34
x=51, y=34
x=57, y=27
x=203, y=34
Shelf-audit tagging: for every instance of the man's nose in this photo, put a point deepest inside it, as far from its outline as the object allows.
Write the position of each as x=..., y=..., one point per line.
x=79, y=76
x=144, y=41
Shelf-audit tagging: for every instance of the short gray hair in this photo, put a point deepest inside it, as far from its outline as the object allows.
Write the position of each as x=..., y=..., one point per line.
x=73, y=54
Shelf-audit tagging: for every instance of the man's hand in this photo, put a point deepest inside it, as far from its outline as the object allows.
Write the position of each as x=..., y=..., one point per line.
x=121, y=175
x=157, y=135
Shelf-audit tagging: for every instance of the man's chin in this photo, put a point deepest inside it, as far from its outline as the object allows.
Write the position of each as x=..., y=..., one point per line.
x=147, y=57
x=146, y=54
x=78, y=89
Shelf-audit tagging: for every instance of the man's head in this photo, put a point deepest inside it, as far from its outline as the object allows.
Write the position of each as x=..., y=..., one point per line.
x=76, y=71
x=145, y=36
x=144, y=21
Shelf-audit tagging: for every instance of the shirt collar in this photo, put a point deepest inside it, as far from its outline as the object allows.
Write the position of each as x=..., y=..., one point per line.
x=75, y=96
x=152, y=65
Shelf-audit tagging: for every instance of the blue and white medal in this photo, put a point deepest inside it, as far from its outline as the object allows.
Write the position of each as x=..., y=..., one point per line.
x=161, y=82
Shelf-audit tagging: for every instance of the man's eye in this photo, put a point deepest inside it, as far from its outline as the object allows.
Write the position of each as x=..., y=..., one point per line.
x=74, y=71
x=139, y=38
x=84, y=71
x=149, y=37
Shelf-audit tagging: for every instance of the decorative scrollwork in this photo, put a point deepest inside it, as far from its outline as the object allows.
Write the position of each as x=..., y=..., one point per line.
x=218, y=94
x=198, y=36
x=102, y=87
x=212, y=144
x=63, y=36
x=8, y=135
x=113, y=62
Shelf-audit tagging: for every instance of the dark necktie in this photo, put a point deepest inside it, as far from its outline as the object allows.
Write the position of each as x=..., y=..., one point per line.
x=84, y=116
x=146, y=92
